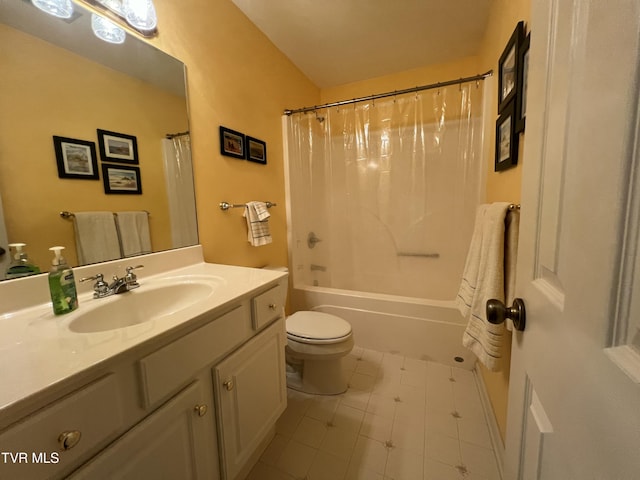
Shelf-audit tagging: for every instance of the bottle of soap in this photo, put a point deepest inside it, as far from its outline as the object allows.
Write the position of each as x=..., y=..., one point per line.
x=20, y=265
x=62, y=284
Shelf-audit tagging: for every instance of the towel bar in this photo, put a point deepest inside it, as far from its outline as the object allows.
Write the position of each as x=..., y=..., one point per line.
x=227, y=206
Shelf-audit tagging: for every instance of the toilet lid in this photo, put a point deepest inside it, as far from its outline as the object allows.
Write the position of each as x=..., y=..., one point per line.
x=317, y=326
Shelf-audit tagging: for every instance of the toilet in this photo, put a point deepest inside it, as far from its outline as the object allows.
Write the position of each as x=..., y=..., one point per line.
x=316, y=344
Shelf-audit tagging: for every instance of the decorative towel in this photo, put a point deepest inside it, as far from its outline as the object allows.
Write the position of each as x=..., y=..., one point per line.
x=485, y=276
x=96, y=237
x=134, y=233
x=257, y=223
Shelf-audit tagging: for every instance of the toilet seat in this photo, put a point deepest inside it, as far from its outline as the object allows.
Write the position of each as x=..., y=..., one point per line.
x=317, y=328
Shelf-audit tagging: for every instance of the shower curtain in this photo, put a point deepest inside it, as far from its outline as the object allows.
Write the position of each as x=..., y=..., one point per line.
x=179, y=181
x=390, y=188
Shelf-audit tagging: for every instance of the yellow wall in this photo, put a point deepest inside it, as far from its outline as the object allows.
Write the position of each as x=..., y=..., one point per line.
x=464, y=67
x=236, y=78
x=54, y=88
x=504, y=186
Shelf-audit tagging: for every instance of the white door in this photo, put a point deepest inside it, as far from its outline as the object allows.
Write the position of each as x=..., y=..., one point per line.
x=573, y=412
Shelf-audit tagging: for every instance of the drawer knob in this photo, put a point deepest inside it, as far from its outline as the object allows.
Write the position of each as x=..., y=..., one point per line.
x=228, y=385
x=201, y=410
x=273, y=306
x=68, y=440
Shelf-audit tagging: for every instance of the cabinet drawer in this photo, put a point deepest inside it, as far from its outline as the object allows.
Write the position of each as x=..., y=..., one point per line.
x=267, y=306
x=171, y=367
x=91, y=415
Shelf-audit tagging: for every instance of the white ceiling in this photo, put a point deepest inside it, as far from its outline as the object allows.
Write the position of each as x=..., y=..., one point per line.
x=341, y=41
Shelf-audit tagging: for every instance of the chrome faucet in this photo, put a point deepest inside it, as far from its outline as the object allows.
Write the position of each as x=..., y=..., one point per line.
x=102, y=289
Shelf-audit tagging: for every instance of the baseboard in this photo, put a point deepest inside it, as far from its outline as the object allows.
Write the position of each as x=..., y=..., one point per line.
x=494, y=432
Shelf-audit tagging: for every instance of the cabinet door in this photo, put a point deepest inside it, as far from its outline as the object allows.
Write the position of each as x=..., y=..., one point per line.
x=176, y=441
x=251, y=394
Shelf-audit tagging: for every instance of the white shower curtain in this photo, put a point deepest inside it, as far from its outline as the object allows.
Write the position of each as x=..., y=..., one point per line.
x=390, y=187
x=179, y=181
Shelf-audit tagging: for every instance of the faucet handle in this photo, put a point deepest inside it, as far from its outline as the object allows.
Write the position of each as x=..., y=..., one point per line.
x=100, y=288
x=130, y=278
x=131, y=269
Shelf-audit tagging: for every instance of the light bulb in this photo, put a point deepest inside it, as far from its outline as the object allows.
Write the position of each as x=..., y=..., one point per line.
x=113, y=5
x=140, y=14
x=107, y=30
x=57, y=8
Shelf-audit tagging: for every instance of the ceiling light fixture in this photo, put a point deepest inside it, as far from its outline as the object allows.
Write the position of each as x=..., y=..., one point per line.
x=57, y=8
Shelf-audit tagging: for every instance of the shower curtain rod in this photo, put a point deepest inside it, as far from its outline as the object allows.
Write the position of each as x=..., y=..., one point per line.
x=391, y=94
x=173, y=135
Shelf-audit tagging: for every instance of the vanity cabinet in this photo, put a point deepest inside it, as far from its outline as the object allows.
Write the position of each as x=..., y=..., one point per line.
x=198, y=403
x=251, y=394
x=176, y=441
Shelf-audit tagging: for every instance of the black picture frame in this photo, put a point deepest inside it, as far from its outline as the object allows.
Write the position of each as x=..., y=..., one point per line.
x=507, y=139
x=256, y=150
x=523, y=74
x=232, y=143
x=117, y=147
x=76, y=158
x=508, y=68
x=121, y=179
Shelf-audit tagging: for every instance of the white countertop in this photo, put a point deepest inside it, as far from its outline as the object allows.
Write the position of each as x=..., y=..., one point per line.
x=38, y=350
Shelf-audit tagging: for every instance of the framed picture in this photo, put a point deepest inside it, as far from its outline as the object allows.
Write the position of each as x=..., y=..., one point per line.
x=231, y=143
x=508, y=68
x=76, y=158
x=506, y=139
x=121, y=179
x=523, y=74
x=256, y=150
x=117, y=147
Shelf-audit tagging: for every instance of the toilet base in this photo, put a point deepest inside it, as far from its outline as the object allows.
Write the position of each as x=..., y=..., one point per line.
x=322, y=377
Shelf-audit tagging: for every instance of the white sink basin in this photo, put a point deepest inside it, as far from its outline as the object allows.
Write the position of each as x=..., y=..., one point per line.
x=146, y=303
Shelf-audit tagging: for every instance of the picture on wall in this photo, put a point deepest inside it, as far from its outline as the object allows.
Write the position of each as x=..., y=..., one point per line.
x=76, y=158
x=506, y=139
x=508, y=68
x=121, y=179
x=117, y=147
x=256, y=150
x=231, y=143
x=523, y=74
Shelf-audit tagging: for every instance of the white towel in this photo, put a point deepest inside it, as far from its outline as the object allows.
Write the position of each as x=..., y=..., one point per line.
x=257, y=223
x=96, y=237
x=485, y=276
x=134, y=233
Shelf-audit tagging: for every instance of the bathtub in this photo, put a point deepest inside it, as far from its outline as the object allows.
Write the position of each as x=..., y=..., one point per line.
x=425, y=329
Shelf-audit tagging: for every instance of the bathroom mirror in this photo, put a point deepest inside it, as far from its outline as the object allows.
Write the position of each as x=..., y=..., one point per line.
x=59, y=80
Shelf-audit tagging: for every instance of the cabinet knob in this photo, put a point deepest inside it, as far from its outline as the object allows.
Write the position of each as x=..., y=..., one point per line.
x=201, y=410
x=228, y=385
x=70, y=439
x=273, y=306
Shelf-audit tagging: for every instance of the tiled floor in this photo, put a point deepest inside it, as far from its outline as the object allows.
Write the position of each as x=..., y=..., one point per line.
x=401, y=419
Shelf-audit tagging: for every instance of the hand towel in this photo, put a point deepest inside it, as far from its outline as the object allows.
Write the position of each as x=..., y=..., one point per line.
x=484, y=278
x=134, y=233
x=257, y=217
x=96, y=237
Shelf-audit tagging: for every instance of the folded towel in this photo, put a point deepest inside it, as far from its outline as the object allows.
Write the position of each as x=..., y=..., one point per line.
x=96, y=237
x=134, y=233
x=484, y=278
x=257, y=217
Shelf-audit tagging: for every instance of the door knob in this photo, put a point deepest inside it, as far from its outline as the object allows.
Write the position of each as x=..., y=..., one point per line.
x=497, y=312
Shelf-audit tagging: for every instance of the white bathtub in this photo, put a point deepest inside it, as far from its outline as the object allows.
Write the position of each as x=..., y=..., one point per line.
x=424, y=329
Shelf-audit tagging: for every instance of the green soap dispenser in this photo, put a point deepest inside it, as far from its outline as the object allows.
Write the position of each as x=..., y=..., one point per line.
x=20, y=265
x=62, y=284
